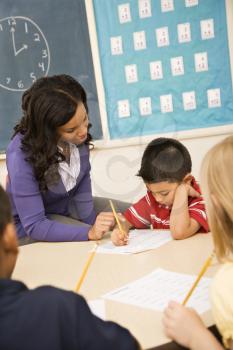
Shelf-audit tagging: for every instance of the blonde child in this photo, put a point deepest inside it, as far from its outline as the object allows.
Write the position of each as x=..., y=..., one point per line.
x=173, y=200
x=183, y=324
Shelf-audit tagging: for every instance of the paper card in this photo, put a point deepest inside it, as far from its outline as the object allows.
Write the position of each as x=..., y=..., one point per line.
x=207, y=29
x=190, y=3
x=156, y=70
x=189, y=100
x=139, y=39
x=167, y=5
x=214, y=98
x=145, y=106
x=144, y=7
x=116, y=45
x=177, y=65
x=131, y=73
x=162, y=36
x=123, y=108
x=124, y=13
x=166, y=103
x=184, y=32
x=201, y=62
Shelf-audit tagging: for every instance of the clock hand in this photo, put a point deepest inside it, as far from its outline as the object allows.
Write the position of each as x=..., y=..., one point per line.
x=16, y=52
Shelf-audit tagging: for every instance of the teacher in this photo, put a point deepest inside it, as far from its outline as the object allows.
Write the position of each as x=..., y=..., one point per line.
x=49, y=169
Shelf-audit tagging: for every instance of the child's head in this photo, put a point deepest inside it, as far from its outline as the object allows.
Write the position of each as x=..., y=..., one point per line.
x=8, y=240
x=165, y=164
x=217, y=186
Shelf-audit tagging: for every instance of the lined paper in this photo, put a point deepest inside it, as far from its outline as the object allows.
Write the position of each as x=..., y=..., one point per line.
x=139, y=241
x=156, y=289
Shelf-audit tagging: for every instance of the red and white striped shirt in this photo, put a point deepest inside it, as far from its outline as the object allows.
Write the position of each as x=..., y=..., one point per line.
x=147, y=211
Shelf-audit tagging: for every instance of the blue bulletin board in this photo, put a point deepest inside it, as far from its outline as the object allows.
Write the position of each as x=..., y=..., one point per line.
x=165, y=65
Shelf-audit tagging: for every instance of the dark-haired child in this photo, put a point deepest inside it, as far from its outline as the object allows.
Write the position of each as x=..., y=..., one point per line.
x=47, y=318
x=173, y=199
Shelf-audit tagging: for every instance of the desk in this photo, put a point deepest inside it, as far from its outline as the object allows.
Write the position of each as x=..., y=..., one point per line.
x=60, y=264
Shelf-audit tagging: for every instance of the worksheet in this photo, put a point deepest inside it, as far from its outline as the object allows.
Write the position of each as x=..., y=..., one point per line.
x=97, y=307
x=156, y=289
x=139, y=241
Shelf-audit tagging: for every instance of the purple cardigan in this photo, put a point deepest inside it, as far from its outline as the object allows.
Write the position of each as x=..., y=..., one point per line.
x=31, y=206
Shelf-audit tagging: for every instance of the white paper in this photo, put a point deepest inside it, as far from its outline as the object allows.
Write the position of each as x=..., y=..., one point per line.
x=156, y=70
x=214, y=98
x=190, y=3
x=97, y=307
x=124, y=13
x=189, y=100
x=139, y=39
x=166, y=104
x=145, y=106
x=207, y=29
x=116, y=45
x=162, y=36
x=177, y=65
x=123, y=109
x=144, y=8
x=184, y=32
x=131, y=73
x=167, y=5
x=139, y=241
x=155, y=290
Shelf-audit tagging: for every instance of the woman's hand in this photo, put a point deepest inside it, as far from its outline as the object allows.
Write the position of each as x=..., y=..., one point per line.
x=103, y=223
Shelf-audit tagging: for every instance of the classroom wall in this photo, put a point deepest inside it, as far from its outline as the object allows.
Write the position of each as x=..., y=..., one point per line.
x=114, y=168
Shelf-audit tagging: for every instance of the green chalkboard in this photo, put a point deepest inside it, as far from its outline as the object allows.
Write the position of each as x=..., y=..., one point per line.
x=39, y=38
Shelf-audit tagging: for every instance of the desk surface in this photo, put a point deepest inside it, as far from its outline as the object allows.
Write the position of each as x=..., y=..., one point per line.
x=61, y=264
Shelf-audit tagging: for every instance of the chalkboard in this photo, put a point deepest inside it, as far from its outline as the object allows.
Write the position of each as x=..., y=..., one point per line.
x=39, y=38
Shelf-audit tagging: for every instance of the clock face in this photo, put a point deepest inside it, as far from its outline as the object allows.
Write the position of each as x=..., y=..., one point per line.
x=24, y=53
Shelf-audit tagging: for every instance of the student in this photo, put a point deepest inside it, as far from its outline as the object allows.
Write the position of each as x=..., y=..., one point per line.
x=48, y=166
x=183, y=324
x=47, y=318
x=173, y=198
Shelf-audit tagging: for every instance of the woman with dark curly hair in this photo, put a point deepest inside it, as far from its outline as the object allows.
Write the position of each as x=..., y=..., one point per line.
x=48, y=166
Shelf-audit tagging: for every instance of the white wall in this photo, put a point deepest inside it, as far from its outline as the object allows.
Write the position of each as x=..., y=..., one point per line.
x=114, y=169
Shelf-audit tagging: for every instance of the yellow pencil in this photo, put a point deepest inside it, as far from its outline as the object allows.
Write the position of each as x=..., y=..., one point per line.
x=89, y=260
x=201, y=273
x=116, y=217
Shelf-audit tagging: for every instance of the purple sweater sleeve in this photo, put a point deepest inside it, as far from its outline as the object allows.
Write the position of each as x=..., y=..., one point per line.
x=28, y=204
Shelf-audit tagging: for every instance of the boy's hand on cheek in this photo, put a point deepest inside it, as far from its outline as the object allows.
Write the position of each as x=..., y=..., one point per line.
x=190, y=191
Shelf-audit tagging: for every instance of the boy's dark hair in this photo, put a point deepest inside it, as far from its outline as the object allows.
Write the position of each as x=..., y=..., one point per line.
x=165, y=159
x=5, y=210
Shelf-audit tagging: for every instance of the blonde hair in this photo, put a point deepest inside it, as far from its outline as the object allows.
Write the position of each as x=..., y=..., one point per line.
x=217, y=188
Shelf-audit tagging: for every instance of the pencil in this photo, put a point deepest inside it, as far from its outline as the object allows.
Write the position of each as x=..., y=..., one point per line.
x=86, y=267
x=116, y=217
x=201, y=273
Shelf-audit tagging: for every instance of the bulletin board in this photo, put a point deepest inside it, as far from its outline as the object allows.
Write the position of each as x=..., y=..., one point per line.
x=165, y=65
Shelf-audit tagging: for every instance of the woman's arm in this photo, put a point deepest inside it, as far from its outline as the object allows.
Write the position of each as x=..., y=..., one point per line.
x=28, y=203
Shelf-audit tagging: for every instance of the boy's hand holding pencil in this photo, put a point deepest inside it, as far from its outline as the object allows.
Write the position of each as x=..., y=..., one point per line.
x=120, y=234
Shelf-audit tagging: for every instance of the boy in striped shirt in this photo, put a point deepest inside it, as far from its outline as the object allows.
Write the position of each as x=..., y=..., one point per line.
x=173, y=200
